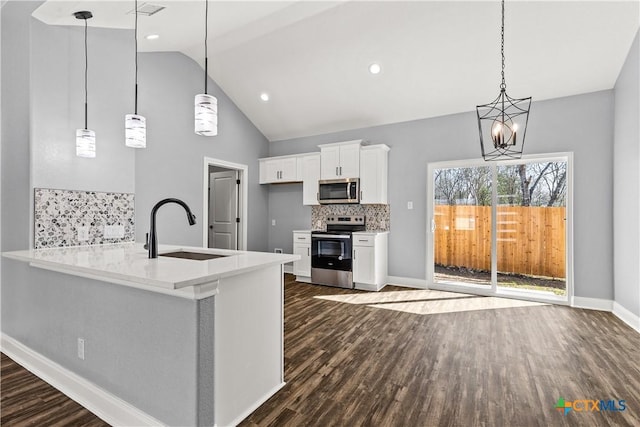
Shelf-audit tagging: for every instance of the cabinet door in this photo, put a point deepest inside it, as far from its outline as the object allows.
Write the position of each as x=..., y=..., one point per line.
x=329, y=162
x=372, y=173
x=288, y=169
x=349, y=166
x=271, y=170
x=364, y=264
x=303, y=266
x=310, y=174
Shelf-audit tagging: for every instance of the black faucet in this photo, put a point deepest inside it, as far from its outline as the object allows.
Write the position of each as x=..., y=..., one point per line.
x=152, y=239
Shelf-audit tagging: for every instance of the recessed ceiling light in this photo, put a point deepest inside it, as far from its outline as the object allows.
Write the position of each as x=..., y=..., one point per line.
x=152, y=37
x=375, y=68
x=264, y=96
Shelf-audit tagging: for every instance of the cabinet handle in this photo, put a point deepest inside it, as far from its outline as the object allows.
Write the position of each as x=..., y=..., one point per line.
x=337, y=174
x=360, y=194
x=340, y=170
x=354, y=254
x=301, y=238
x=308, y=254
x=365, y=240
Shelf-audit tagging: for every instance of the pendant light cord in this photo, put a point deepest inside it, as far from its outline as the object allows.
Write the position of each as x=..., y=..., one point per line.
x=86, y=73
x=206, y=36
x=503, y=85
x=136, y=61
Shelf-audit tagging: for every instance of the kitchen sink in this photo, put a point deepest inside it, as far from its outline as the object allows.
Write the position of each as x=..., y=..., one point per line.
x=199, y=256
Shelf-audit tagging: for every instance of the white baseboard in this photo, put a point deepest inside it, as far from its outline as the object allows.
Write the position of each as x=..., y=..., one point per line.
x=626, y=316
x=103, y=404
x=407, y=282
x=256, y=405
x=592, y=303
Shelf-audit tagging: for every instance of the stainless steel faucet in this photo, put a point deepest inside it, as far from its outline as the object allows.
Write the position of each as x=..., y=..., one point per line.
x=152, y=238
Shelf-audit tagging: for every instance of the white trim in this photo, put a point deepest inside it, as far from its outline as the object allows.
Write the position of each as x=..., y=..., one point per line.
x=257, y=404
x=626, y=316
x=103, y=404
x=244, y=190
x=592, y=303
x=288, y=267
x=407, y=282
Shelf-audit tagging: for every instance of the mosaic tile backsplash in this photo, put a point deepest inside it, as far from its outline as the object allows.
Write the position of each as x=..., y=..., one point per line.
x=377, y=216
x=59, y=214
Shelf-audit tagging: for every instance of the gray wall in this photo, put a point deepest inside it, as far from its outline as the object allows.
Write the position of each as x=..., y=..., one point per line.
x=57, y=107
x=582, y=124
x=172, y=164
x=16, y=192
x=626, y=177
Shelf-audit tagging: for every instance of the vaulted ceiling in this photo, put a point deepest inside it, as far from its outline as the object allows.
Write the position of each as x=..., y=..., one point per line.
x=437, y=57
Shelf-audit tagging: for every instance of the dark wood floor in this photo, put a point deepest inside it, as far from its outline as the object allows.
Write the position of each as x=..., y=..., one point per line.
x=26, y=400
x=361, y=365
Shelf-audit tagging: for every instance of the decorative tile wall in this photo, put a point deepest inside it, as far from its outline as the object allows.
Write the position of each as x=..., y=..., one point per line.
x=377, y=217
x=59, y=213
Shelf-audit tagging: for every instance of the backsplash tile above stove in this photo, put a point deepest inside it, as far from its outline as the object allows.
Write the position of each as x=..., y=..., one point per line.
x=58, y=214
x=378, y=217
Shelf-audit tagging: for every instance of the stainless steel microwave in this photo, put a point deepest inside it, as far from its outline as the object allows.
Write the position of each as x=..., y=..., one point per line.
x=343, y=191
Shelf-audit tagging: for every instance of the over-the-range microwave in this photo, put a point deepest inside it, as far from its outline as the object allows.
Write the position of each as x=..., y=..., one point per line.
x=343, y=191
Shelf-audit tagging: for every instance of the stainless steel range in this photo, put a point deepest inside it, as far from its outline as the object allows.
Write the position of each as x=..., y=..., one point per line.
x=331, y=251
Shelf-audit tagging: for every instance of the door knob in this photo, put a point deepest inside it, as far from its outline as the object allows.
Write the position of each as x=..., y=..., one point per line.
x=211, y=227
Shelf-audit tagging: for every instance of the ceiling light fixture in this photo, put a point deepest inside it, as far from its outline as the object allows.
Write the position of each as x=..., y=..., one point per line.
x=503, y=120
x=206, y=106
x=375, y=68
x=85, y=138
x=152, y=37
x=135, y=125
x=264, y=96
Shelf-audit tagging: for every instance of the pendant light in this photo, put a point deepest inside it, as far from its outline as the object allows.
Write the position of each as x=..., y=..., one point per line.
x=503, y=122
x=85, y=138
x=135, y=125
x=206, y=106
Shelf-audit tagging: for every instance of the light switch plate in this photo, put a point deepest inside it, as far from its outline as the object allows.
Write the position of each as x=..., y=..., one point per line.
x=409, y=205
x=113, y=231
x=83, y=233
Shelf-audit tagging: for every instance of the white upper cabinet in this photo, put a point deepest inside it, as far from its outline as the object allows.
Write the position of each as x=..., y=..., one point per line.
x=374, y=166
x=309, y=172
x=279, y=169
x=340, y=160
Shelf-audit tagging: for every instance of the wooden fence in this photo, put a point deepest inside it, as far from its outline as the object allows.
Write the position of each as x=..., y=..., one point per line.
x=531, y=240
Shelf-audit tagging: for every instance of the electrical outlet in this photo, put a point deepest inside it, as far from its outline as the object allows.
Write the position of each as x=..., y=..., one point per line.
x=83, y=233
x=273, y=222
x=81, y=348
x=277, y=250
x=409, y=205
x=113, y=231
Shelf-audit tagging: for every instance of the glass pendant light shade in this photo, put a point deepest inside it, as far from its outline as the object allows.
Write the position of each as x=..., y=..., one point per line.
x=85, y=143
x=135, y=131
x=206, y=115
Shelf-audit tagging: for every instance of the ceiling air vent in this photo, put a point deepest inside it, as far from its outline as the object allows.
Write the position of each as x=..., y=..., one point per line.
x=147, y=9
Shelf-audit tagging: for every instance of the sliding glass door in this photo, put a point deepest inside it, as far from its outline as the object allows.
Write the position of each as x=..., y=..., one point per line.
x=500, y=227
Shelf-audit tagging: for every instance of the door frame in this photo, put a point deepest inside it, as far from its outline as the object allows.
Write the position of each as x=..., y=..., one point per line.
x=243, y=174
x=494, y=290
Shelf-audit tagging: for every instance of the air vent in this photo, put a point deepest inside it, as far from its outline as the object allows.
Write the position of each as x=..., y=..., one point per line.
x=147, y=9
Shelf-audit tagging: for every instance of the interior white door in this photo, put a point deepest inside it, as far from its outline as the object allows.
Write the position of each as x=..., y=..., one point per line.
x=223, y=210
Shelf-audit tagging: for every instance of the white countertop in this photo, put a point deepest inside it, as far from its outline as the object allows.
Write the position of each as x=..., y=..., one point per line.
x=128, y=264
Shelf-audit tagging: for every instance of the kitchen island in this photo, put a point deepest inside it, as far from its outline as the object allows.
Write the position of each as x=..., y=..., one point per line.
x=176, y=341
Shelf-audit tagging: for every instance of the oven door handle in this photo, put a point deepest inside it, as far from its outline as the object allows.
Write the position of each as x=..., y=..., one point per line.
x=330, y=236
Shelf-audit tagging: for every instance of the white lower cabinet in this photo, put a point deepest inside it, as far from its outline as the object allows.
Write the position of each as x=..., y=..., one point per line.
x=302, y=247
x=370, y=260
